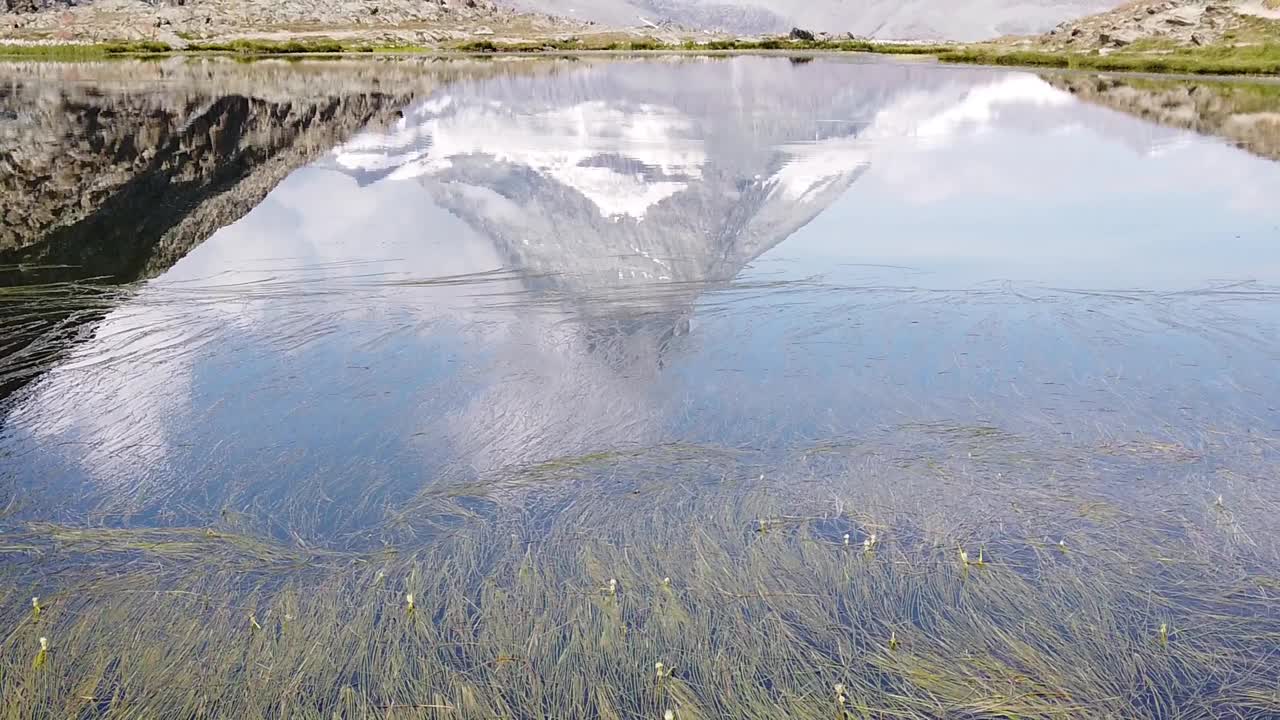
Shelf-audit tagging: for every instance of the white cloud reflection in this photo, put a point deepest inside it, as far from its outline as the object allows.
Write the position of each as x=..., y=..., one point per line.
x=944, y=166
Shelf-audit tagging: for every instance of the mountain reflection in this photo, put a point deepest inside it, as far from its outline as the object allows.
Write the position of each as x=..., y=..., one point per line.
x=617, y=195
x=621, y=201
x=511, y=270
x=596, y=182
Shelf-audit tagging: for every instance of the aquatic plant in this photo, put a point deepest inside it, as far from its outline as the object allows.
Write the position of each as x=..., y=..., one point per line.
x=43, y=655
x=515, y=631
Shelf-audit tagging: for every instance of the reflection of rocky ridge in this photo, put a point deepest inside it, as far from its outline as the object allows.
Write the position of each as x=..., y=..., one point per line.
x=175, y=162
x=196, y=145
x=121, y=185
x=117, y=170
x=1246, y=114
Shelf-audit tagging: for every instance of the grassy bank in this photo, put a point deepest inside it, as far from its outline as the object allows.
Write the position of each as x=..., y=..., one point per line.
x=1258, y=59
x=1248, y=60
x=73, y=51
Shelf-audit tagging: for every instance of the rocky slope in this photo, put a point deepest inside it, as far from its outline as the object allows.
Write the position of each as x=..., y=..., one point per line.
x=429, y=21
x=1168, y=23
x=184, y=138
x=178, y=21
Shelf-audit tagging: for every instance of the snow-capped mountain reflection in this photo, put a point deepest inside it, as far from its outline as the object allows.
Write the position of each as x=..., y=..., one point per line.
x=618, y=204
x=615, y=185
x=565, y=144
x=503, y=276
x=611, y=178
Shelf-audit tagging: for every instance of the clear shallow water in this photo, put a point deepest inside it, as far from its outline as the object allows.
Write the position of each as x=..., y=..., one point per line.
x=749, y=253
x=555, y=299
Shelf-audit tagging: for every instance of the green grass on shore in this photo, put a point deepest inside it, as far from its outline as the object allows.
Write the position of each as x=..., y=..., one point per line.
x=1247, y=60
x=1259, y=59
x=79, y=51
x=265, y=47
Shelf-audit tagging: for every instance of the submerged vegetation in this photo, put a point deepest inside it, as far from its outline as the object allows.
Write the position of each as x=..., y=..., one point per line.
x=938, y=573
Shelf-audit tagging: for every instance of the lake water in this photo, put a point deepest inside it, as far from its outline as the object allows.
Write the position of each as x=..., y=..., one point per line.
x=476, y=389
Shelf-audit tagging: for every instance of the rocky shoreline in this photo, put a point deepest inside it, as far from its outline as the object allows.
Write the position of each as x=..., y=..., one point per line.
x=1203, y=37
x=178, y=23
x=1165, y=24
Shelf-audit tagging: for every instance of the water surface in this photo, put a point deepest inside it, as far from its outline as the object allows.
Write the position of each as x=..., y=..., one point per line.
x=738, y=365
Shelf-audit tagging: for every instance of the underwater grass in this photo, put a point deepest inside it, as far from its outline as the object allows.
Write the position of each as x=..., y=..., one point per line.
x=38, y=318
x=703, y=584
